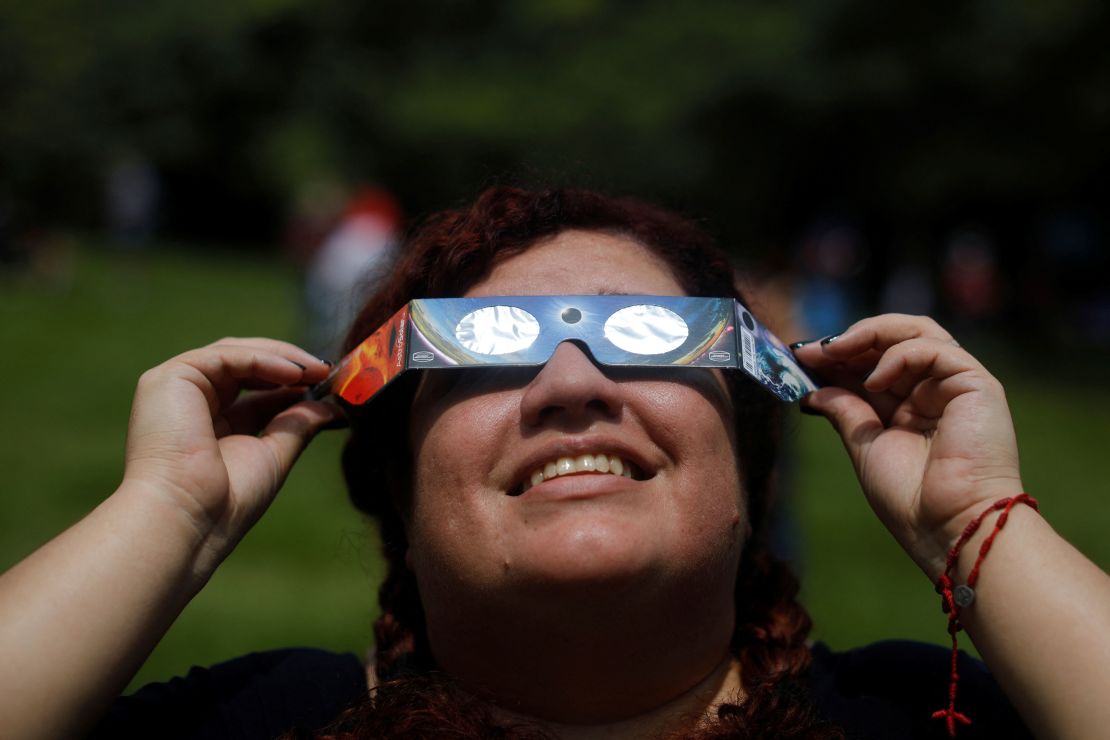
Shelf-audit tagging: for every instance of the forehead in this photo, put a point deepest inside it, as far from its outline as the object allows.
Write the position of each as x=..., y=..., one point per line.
x=580, y=263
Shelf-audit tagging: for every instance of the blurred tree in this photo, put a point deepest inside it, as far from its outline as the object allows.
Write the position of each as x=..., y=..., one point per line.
x=756, y=115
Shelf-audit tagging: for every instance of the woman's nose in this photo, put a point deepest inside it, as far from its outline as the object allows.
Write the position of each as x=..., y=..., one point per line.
x=570, y=388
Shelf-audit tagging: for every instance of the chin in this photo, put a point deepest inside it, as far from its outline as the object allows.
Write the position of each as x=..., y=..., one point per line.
x=583, y=568
x=596, y=553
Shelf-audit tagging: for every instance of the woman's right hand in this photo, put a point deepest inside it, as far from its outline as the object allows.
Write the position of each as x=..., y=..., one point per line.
x=213, y=454
x=203, y=462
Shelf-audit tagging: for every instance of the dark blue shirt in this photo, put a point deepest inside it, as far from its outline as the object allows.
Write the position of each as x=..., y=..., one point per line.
x=886, y=690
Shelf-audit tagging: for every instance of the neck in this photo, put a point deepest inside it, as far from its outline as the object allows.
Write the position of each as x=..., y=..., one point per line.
x=675, y=718
x=603, y=664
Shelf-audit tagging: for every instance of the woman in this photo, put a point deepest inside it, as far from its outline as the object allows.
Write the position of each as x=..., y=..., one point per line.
x=580, y=605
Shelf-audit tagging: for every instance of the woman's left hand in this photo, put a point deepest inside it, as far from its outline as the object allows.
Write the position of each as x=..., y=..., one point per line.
x=927, y=427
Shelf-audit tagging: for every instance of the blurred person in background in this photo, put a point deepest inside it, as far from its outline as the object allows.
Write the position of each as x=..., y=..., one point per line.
x=908, y=286
x=132, y=192
x=574, y=549
x=830, y=261
x=318, y=203
x=972, y=282
x=344, y=269
x=1067, y=284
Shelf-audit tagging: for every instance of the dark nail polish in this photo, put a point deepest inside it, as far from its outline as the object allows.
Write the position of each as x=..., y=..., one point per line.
x=329, y=363
x=302, y=367
x=804, y=342
x=868, y=374
x=829, y=339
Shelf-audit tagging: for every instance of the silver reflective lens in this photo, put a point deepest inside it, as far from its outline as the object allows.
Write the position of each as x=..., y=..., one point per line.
x=497, y=330
x=646, y=330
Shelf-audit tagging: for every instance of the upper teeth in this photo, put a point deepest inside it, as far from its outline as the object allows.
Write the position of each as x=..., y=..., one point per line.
x=582, y=464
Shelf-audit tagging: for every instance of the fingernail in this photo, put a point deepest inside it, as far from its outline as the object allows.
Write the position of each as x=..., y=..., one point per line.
x=829, y=339
x=809, y=410
x=802, y=343
x=302, y=367
x=868, y=374
x=329, y=363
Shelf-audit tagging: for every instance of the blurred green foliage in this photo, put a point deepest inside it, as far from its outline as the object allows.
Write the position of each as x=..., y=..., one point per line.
x=759, y=114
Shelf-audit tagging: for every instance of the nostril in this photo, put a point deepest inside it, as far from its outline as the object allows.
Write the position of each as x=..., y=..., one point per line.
x=600, y=404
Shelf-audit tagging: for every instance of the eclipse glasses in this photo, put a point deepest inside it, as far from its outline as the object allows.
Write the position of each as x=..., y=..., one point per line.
x=617, y=330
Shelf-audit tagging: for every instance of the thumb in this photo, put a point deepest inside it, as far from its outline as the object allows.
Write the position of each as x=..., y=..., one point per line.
x=853, y=418
x=289, y=432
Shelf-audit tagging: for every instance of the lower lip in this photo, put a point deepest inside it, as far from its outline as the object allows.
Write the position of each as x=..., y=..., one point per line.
x=582, y=486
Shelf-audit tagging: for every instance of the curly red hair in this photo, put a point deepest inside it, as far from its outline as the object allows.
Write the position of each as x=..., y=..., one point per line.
x=450, y=252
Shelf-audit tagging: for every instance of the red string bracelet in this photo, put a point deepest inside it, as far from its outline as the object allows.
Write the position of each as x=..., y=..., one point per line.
x=955, y=598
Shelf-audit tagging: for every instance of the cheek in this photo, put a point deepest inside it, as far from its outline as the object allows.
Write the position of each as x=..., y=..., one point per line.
x=440, y=518
x=454, y=448
x=708, y=485
x=445, y=467
x=696, y=423
x=452, y=440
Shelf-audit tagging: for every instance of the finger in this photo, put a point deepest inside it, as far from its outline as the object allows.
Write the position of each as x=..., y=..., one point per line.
x=314, y=369
x=870, y=337
x=262, y=385
x=907, y=363
x=842, y=371
x=255, y=475
x=253, y=411
x=288, y=433
x=277, y=347
x=225, y=369
x=855, y=420
x=929, y=398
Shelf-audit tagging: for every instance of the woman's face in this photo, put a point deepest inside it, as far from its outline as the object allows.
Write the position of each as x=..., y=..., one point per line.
x=479, y=436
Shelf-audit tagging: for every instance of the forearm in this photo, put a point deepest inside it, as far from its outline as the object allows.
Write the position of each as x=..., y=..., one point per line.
x=1041, y=620
x=79, y=616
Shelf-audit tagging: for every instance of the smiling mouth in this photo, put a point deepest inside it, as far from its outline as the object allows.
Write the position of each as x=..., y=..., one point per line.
x=588, y=464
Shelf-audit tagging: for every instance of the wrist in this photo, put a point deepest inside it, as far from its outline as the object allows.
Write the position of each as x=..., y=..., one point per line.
x=938, y=543
x=1014, y=514
x=958, y=592
x=171, y=525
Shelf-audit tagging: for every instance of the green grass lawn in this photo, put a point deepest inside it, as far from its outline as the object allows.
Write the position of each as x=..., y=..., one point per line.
x=307, y=574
